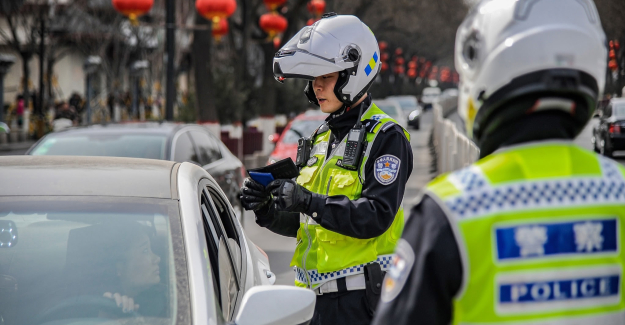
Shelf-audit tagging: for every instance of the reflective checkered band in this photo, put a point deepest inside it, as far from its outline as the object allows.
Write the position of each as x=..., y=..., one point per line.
x=479, y=198
x=319, y=278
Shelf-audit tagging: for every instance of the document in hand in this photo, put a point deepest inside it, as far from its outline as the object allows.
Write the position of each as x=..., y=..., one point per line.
x=283, y=169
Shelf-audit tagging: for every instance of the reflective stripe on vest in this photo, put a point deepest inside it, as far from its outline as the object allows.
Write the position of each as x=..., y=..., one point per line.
x=322, y=255
x=540, y=229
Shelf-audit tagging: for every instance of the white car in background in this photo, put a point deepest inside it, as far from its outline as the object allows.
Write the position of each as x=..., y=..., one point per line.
x=412, y=110
x=430, y=96
x=393, y=109
x=101, y=240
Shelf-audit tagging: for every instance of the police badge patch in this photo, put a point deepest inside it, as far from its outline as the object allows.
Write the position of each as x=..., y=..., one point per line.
x=386, y=169
x=378, y=117
x=401, y=265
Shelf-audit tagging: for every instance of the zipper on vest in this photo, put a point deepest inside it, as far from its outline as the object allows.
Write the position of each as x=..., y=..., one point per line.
x=328, y=189
x=306, y=252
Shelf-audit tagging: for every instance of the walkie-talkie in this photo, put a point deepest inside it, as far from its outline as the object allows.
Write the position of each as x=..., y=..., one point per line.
x=353, y=147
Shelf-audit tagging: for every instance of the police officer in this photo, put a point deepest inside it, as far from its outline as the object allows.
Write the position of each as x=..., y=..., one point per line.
x=532, y=232
x=345, y=206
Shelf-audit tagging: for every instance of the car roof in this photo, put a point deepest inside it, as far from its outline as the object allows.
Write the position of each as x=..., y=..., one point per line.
x=85, y=176
x=165, y=128
x=618, y=100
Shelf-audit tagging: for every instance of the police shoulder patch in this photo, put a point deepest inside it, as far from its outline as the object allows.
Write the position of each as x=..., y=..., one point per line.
x=378, y=117
x=386, y=169
x=400, y=268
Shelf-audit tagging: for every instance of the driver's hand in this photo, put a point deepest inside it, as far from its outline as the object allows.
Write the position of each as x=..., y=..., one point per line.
x=126, y=303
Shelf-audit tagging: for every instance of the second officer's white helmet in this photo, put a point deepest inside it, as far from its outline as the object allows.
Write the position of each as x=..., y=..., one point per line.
x=335, y=43
x=506, y=49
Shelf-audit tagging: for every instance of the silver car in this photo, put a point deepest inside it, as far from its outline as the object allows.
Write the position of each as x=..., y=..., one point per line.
x=97, y=240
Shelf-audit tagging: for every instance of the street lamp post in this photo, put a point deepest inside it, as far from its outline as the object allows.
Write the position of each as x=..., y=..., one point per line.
x=136, y=69
x=91, y=65
x=6, y=61
x=170, y=95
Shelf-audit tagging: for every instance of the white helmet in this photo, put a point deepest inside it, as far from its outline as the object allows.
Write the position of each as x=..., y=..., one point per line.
x=334, y=43
x=506, y=49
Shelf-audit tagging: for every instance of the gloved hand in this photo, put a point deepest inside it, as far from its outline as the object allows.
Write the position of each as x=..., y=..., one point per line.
x=254, y=196
x=289, y=196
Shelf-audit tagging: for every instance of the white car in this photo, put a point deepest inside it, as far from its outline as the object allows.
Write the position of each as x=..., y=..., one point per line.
x=98, y=240
x=393, y=109
x=430, y=96
x=412, y=109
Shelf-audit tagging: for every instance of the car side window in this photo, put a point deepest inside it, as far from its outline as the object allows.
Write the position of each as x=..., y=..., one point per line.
x=208, y=148
x=184, y=150
x=227, y=220
x=223, y=256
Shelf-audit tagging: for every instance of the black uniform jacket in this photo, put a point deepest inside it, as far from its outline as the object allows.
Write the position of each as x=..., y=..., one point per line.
x=373, y=213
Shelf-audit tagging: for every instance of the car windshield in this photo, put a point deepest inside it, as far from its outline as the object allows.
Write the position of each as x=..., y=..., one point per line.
x=619, y=110
x=63, y=259
x=407, y=105
x=300, y=129
x=150, y=146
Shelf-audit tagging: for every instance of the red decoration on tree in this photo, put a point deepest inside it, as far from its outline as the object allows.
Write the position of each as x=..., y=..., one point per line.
x=412, y=65
x=273, y=4
x=399, y=51
x=133, y=8
x=273, y=24
x=399, y=61
x=383, y=46
x=384, y=57
x=412, y=73
x=445, y=74
x=384, y=67
x=220, y=29
x=216, y=10
x=317, y=7
x=399, y=70
x=613, y=65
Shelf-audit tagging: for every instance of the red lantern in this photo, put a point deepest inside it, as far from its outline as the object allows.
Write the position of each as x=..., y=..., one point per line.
x=399, y=70
x=399, y=51
x=445, y=74
x=272, y=23
x=273, y=4
x=412, y=73
x=383, y=46
x=384, y=57
x=612, y=55
x=613, y=65
x=215, y=10
x=400, y=61
x=412, y=65
x=617, y=45
x=133, y=8
x=384, y=66
x=312, y=21
x=317, y=7
x=220, y=29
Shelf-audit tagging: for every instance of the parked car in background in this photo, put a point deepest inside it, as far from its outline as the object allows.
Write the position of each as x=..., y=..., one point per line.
x=609, y=135
x=430, y=96
x=411, y=108
x=153, y=140
x=82, y=236
x=302, y=125
x=393, y=109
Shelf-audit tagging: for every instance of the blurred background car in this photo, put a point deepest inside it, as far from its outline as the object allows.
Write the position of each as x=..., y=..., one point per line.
x=429, y=96
x=411, y=108
x=609, y=135
x=160, y=232
x=393, y=109
x=166, y=141
x=303, y=125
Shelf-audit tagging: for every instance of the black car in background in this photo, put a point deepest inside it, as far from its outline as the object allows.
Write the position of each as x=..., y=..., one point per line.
x=609, y=135
x=152, y=140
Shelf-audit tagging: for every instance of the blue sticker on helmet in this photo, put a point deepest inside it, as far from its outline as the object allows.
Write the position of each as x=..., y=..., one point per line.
x=386, y=169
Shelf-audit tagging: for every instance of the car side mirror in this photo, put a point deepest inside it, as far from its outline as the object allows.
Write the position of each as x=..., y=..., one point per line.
x=274, y=138
x=268, y=305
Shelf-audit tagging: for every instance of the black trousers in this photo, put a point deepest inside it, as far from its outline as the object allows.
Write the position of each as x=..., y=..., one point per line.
x=338, y=308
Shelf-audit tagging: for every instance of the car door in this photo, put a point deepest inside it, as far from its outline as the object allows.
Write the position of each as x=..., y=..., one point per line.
x=224, y=247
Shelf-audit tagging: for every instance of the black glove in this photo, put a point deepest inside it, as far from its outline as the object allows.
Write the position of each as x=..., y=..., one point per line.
x=289, y=196
x=254, y=196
